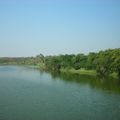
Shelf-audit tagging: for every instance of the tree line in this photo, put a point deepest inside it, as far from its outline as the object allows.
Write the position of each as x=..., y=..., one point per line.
x=103, y=62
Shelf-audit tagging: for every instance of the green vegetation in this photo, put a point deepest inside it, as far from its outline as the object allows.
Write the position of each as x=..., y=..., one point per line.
x=79, y=72
x=104, y=63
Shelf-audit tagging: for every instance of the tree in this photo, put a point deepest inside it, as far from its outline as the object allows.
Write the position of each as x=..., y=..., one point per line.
x=116, y=61
x=91, y=61
x=104, y=61
x=80, y=61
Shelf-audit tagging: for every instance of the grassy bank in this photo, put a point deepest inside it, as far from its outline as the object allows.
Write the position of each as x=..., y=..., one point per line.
x=38, y=66
x=79, y=72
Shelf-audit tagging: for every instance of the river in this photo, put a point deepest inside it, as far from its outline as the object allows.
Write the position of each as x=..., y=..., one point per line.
x=30, y=94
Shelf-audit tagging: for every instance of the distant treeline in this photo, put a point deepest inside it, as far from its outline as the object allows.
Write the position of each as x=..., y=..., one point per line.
x=103, y=62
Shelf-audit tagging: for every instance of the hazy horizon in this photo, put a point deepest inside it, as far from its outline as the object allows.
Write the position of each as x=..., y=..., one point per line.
x=28, y=28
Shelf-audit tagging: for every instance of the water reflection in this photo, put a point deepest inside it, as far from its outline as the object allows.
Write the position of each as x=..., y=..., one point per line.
x=108, y=84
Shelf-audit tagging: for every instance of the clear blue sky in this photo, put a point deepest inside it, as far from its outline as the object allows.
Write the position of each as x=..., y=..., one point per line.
x=30, y=27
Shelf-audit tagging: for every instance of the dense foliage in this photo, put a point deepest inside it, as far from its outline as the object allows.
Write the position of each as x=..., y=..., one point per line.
x=104, y=62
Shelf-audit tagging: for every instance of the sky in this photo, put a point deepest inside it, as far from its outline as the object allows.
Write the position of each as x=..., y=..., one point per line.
x=52, y=27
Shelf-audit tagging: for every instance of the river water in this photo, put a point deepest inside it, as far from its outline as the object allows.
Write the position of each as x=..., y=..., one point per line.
x=30, y=94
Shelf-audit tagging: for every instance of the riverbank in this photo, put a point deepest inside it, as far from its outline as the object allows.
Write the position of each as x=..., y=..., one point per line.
x=72, y=71
x=79, y=72
x=68, y=70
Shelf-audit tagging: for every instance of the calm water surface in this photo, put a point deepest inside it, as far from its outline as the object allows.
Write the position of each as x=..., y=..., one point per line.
x=28, y=94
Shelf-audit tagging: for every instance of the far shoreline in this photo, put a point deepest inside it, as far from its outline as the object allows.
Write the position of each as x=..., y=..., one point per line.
x=63, y=70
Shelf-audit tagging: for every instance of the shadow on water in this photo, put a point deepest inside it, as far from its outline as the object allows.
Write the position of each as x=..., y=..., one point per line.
x=108, y=84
